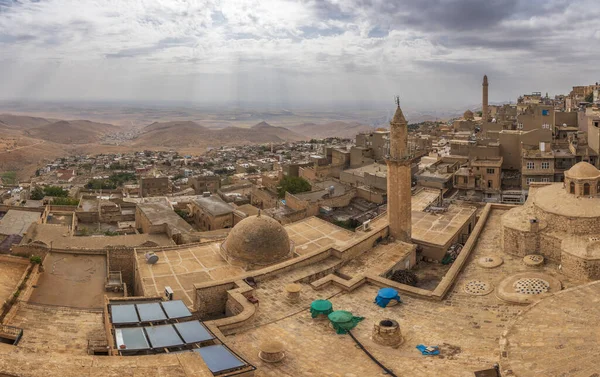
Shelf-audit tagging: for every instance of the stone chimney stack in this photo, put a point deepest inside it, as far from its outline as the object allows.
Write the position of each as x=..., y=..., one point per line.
x=484, y=100
x=399, y=179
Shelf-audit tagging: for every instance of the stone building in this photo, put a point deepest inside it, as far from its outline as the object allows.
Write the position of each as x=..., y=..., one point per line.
x=560, y=221
x=482, y=175
x=205, y=183
x=159, y=217
x=438, y=175
x=154, y=186
x=211, y=213
x=538, y=166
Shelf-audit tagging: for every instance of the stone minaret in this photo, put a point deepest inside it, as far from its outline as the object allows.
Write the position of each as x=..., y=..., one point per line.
x=399, y=179
x=484, y=101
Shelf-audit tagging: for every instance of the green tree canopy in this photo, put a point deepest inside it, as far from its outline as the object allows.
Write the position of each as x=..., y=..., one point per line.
x=37, y=193
x=65, y=201
x=589, y=97
x=293, y=185
x=56, y=191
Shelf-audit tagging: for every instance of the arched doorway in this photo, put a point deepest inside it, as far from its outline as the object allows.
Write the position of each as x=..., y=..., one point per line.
x=586, y=189
x=572, y=187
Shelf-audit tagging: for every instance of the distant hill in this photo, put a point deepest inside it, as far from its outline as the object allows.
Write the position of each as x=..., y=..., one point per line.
x=191, y=134
x=281, y=132
x=331, y=129
x=22, y=122
x=72, y=131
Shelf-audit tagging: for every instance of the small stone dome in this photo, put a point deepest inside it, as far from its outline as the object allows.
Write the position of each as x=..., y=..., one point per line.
x=583, y=170
x=468, y=115
x=257, y=240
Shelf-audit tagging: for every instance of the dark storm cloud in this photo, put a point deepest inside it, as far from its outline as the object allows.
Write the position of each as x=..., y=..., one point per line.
x=458, y=23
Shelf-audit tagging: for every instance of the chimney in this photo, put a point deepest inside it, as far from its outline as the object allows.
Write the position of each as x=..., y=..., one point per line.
x=534, y=225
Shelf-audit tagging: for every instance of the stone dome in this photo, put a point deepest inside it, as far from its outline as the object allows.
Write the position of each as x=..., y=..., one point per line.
x=468, y=115
x=257, y=240
x=583, y=170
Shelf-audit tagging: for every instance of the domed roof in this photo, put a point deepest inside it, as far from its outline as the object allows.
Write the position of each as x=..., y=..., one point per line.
x=468, y=115
x=259, y=240
x=583, y=170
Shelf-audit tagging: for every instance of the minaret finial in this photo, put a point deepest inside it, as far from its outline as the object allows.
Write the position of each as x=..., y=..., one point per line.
x=397, y=100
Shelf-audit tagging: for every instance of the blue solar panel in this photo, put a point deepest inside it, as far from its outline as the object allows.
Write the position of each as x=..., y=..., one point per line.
x=151, y=312
x=121, y=314
x=176, y=309
x=131, y=339
x=163, y=336
x=193, y=332
x=219, y=358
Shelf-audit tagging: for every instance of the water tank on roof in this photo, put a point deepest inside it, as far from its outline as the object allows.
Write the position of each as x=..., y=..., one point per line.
x=151, y=258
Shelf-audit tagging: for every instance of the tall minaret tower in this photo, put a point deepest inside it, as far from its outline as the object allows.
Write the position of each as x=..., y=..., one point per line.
x=398, y=178
x=484, y=101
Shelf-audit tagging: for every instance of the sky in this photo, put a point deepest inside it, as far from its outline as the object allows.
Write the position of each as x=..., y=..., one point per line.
x=286, y=52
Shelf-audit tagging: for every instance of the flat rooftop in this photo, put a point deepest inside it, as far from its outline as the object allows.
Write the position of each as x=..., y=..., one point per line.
x=17, y=222
x=158, y=213
x=379, y=170
x=73, y=280
x=58, y=236
x=439, y=229
x=10, y=274
x=182, y=268
x=423, y=199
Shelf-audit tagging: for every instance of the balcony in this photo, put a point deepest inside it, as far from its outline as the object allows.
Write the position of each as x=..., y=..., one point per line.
x=537, y=171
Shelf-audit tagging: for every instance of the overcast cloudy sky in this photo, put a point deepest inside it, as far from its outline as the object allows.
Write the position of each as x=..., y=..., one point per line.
x=303, y=51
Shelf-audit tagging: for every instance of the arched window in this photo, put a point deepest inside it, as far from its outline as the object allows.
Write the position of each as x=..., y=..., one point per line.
x=572, y=187
x=586, y=189
x=598, y=188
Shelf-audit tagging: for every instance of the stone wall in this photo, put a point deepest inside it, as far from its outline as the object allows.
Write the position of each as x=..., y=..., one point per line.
x=211, y=300
x=27, y=250
x=123, y=259
x=550, y=246
x=571, y=225
x=581, y=268
x=376, y=197
x=263, y=198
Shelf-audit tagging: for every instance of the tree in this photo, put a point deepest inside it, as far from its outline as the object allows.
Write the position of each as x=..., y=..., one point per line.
x=65, y=201
x=293, y=185
x=589, y=97
x=37, y=193
x=56, y=191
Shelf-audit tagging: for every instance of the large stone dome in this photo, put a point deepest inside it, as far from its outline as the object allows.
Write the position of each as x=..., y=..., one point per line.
x=583, y=170
x=257, y=240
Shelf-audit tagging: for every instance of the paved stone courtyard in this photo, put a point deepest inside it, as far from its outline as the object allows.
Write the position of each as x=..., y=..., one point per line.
x=561, y=333
x=467, y=328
